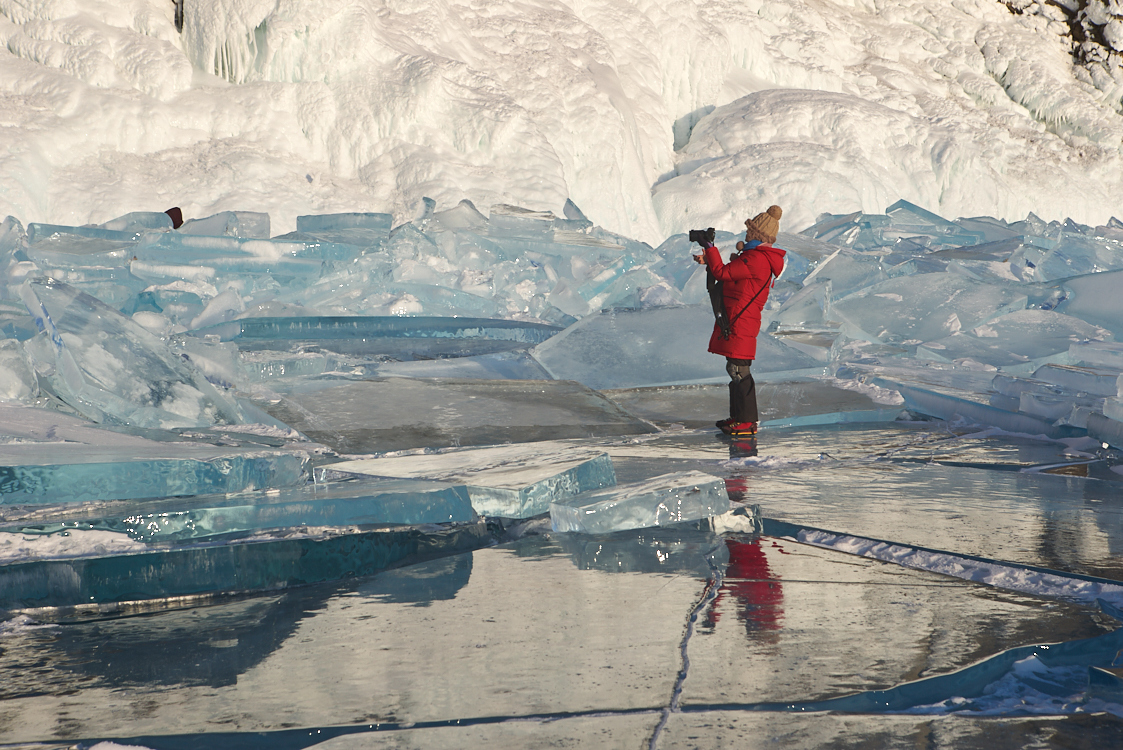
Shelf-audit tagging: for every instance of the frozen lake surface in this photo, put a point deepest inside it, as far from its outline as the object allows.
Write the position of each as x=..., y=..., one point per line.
x=695, y=634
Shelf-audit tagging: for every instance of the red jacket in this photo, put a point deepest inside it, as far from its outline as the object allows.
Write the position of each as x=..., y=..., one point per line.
x=744, y=276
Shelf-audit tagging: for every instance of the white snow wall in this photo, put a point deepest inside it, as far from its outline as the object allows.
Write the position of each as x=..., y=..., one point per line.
x=332, y=105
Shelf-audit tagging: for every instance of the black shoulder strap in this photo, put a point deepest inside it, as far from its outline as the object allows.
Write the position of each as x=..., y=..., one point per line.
x=717, y=301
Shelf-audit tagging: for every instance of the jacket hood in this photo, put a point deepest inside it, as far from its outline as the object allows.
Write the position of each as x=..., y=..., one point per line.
x=775, y=257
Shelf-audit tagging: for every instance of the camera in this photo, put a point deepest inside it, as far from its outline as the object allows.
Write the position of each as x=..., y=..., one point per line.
x=704, y=237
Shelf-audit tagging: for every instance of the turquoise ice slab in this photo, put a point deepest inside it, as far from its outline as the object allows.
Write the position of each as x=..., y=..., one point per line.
x=260, y=563
x=512, y=481
x=242, y=224
x=38, y=473
x=110, y=369
x=346, y=503
x=662, y=500
x=313, y=223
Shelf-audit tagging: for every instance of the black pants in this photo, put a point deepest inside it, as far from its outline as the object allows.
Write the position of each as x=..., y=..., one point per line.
x=742, y=391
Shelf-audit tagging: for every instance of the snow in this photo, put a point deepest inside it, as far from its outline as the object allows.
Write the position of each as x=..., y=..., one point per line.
x=327, y=106
x=990, y=573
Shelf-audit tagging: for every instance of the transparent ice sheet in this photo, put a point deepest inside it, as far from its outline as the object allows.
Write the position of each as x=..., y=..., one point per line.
x=513, y=481
x=375, y=416
x=319, y=504
x=663, y=500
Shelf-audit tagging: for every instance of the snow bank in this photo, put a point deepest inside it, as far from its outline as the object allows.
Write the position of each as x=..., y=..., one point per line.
x=332, y=105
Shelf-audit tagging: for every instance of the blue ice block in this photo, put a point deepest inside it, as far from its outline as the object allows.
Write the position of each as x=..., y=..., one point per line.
x=322, y=504
x=1069, y=255
x=512, y=481
x=140, y=221
x=949, y=407
x=244, y=224
x=111, y=370
x=38, y=233
x=320, y=223
x=666, y=499
x=515, y=222
x=1097, y=381
x=1098, y=354
x=1095, y=298
x=38, y=473
x=262, y=562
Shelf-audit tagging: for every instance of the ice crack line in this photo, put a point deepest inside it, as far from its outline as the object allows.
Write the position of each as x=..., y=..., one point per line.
x=709, y=593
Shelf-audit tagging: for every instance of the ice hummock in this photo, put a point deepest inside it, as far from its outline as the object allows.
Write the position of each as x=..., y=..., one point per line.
x=667, y=499
x=111, y=370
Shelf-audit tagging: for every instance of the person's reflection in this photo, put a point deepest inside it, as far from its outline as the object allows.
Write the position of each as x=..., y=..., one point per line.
x=758, y=596
x=742, y=447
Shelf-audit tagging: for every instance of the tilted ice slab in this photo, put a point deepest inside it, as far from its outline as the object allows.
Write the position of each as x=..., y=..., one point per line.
x=377, y=416
x=1095, y=298
x=1021, y=339
x=321, y=504
x=628, y=348
x=112, y=370
x=512, y=481
x=923, y=307
x=666, y=499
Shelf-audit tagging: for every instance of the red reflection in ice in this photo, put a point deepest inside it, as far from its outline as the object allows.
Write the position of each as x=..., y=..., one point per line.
x=758, y=596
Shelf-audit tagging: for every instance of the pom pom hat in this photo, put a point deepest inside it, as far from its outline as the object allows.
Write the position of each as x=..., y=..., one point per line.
x=764, y=226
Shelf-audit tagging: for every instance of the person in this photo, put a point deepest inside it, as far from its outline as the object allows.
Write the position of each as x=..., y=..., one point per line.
x=745, y=283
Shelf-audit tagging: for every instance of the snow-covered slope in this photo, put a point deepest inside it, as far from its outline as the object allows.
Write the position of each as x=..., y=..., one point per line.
x=962, y=106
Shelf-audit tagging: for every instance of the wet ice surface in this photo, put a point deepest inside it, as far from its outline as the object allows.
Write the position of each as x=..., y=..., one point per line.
x=777, y=623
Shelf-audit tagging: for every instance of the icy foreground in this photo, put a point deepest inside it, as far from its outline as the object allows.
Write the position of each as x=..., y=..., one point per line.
x=654, y=116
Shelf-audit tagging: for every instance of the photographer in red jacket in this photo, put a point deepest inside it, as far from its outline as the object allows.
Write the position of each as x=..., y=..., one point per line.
x=738, y=291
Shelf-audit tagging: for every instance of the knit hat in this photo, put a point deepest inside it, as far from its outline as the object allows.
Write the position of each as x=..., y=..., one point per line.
x=764, y=226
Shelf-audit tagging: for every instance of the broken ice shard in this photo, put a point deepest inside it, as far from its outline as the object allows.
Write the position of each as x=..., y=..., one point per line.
x=359, y=229
x=110, y=369
x=923, y=307
x=244, y=224
x=512, y=481
x=378, y=502
x=140, y=221
x=628, y=348
x=666, y=499
x=1019, y=339
x=515, y=222
x=1096, y=299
